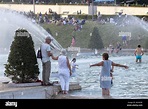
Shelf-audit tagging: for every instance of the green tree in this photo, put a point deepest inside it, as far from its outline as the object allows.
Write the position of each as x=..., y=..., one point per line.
x=96, y=40
x=22, y=61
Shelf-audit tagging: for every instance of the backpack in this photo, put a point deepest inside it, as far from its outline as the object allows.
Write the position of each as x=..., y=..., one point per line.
x=39, y=54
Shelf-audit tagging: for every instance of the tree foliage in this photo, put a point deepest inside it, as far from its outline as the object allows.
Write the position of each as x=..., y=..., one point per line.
x=96, y=40
x=22, y=62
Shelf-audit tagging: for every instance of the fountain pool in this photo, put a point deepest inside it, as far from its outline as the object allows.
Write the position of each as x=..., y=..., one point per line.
x=127, y=83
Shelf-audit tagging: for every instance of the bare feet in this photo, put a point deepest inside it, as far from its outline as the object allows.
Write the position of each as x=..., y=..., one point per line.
x=66, y=92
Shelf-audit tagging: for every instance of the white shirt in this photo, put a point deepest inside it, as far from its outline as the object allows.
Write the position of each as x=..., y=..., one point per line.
x=62, y=61
x=63, y=67
x=73, y=65
x=44, y=49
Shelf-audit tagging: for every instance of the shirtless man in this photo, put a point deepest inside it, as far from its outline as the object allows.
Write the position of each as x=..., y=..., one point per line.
x=138, y=53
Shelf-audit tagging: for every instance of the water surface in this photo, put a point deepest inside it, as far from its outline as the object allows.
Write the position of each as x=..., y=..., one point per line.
x=127, y=83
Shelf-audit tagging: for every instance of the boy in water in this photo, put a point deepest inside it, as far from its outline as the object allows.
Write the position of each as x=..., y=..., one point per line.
x=73, y=67
x=138, y=53
x=105, y=77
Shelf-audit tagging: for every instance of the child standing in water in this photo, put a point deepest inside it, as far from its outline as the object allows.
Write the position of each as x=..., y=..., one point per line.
x=138, y=53
x=105, y=77
x=74, y=66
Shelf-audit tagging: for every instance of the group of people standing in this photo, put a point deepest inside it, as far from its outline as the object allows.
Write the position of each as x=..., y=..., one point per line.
x=66, y=68
x=111, y=48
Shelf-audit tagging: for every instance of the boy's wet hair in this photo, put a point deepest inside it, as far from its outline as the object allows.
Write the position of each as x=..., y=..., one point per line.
x=139, y=46
x=106, y=56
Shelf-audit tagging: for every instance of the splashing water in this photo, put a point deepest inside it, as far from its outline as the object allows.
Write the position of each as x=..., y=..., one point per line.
x=126, y=20
x=131, y=24
x=11, y=21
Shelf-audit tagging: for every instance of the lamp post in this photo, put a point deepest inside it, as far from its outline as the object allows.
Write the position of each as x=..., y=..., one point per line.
x=92, y=9
x=115, y=3
x=34, y=6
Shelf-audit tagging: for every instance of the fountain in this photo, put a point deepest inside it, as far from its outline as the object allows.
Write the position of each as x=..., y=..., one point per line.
x=12, y=20
x=129, y=22
x=126, y=20
x=131, y=83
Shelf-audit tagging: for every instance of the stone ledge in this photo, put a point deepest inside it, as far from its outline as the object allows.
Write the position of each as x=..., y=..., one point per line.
x=33, y=91
x=24, y=84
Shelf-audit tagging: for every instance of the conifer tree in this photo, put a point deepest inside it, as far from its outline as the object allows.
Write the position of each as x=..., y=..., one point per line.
x=96, y=40
x=22, y=62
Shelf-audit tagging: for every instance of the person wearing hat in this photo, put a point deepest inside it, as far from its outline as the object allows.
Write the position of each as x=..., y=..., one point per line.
x=46, y=63
x=64, y=70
